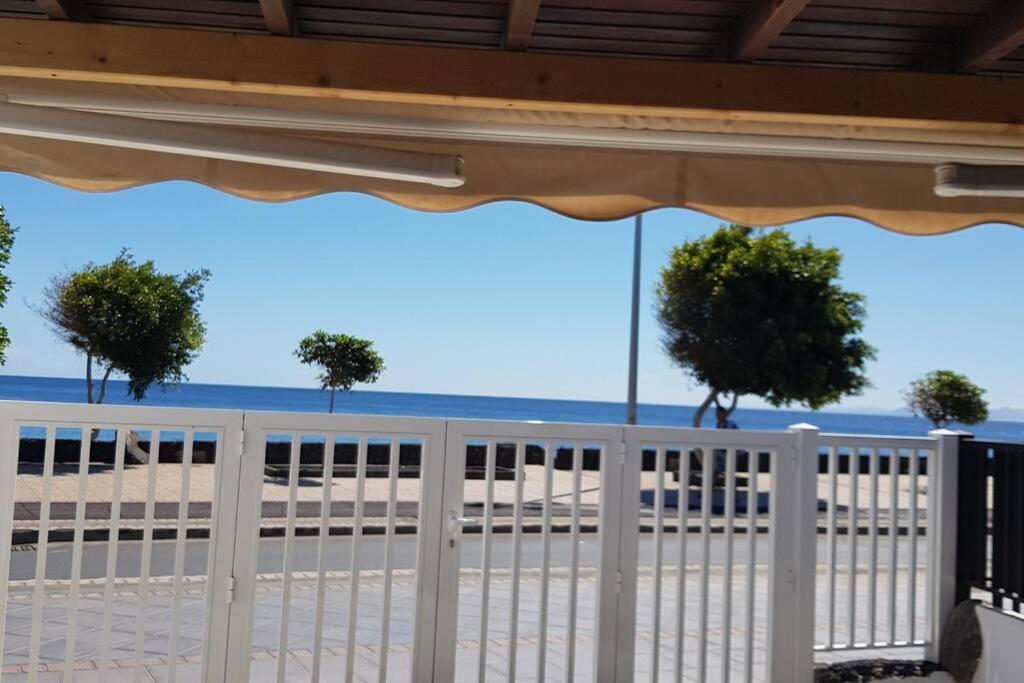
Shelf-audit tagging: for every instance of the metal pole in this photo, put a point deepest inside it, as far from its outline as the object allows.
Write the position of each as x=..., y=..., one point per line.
x=634, y=322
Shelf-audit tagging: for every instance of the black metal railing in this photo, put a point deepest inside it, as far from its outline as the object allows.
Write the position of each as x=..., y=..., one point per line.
x=990, y=522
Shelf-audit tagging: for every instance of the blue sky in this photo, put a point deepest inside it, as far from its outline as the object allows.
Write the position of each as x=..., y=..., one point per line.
x=507, y=299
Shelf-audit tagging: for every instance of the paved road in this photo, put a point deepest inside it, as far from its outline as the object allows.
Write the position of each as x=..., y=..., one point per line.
x=371, y=550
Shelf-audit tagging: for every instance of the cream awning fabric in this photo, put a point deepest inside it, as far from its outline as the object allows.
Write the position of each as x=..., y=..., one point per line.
x=591, y=169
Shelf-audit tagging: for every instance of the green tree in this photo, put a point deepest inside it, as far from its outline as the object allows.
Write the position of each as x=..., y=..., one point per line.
x=6, y=244
x=127, y=317
x=343, y=360
x=755, y=313
x=945, y=397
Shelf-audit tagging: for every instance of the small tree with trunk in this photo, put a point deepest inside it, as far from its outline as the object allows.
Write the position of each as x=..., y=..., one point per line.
x=343, y=361
x=127, y=317
x=945, y=397
x=755, y=313
x=6, y=244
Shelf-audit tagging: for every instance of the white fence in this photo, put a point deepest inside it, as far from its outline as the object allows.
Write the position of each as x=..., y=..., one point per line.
x=224, y=545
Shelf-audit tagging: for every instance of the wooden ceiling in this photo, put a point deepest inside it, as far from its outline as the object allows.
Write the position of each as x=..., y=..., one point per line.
x=951, y=36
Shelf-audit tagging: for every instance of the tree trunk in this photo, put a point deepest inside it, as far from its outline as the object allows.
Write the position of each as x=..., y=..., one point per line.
x=732, y=405
x=331, y=409
x=103, y=384
x=88, y=377
x=698, y=416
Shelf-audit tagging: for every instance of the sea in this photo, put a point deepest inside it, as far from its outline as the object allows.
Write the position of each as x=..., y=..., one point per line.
x=366, y=402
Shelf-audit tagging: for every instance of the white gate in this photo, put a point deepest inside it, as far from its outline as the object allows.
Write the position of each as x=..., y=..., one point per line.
x=304, y=600
x=227, y=546
x=139, y=592
x=512, y=607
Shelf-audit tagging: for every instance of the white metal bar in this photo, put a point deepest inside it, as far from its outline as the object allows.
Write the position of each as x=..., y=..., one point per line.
x=894, y=529
x=683, y=511
x=181, y=537
x=730, y=523
x=792, y=566
x=10, y=433
x=621, y=457
x=707, y=475
x=76, y=553
x=441, y=490
x=112, y=547
x=912, y=559
x=389, y=555
x=38, y=593
x=294, y=458
x=147, y=548
x=873, y=547
x=574, y=570
x=659, y=523
x=753, y=471
x=326, y=501
x=357, y=534
x=485, y=560
x=517, y=560
x=545, y=578
x=943, y=473
x=852, y=532
x=833, y=514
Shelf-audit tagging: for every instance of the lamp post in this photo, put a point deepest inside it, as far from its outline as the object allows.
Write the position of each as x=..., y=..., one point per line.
x=634, y=322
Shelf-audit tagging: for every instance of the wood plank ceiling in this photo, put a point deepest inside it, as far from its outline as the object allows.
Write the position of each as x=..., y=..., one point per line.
x=966, y=36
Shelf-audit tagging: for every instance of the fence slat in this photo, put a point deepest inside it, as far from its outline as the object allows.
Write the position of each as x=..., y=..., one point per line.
x=894, y=533
x=485, y=561
x=872, y=545
x=707, y=476
x=517, y=559
x=147, y=548
x=574, y=571
x=659, y=523
x=357, y=535
x=76, y=553
x=833, y=514
x=681, y=572
x=295, y=456
x=753, y=471
x=112, y=548
x=545, y=577
x=389, y=552
x=38, y=593
x=727, y=579
x=321, y=556
x=181, y=536
x=852, y=533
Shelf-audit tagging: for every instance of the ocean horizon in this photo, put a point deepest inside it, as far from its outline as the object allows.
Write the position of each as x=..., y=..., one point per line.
x=369, y=402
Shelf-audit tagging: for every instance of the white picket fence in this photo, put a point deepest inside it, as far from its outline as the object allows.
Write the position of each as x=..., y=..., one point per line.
x=458, y=550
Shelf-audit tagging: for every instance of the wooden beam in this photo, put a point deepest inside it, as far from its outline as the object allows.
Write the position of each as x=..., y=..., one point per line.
x=522, y=15
x=64, y=10
x=246, y=63
x=279, y=16
x=993, y=39
x=762, y=23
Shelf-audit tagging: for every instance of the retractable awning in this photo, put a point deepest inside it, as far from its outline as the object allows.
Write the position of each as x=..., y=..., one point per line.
x=590, y=137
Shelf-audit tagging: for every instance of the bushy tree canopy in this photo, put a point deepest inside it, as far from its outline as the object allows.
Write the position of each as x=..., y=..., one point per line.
x=342, y=359
x=129, y=318
x=748, y=312
x=945, y=397
x=6, y=244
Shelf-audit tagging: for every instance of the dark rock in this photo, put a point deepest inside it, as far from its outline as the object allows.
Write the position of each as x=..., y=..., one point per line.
x=961, y=642
x=873, y=670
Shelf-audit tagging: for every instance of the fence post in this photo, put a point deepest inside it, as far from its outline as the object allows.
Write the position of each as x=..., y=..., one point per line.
x=941, y=533
x=794, y=509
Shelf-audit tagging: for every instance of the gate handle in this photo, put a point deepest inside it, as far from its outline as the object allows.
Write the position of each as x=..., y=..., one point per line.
x=456, y=522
